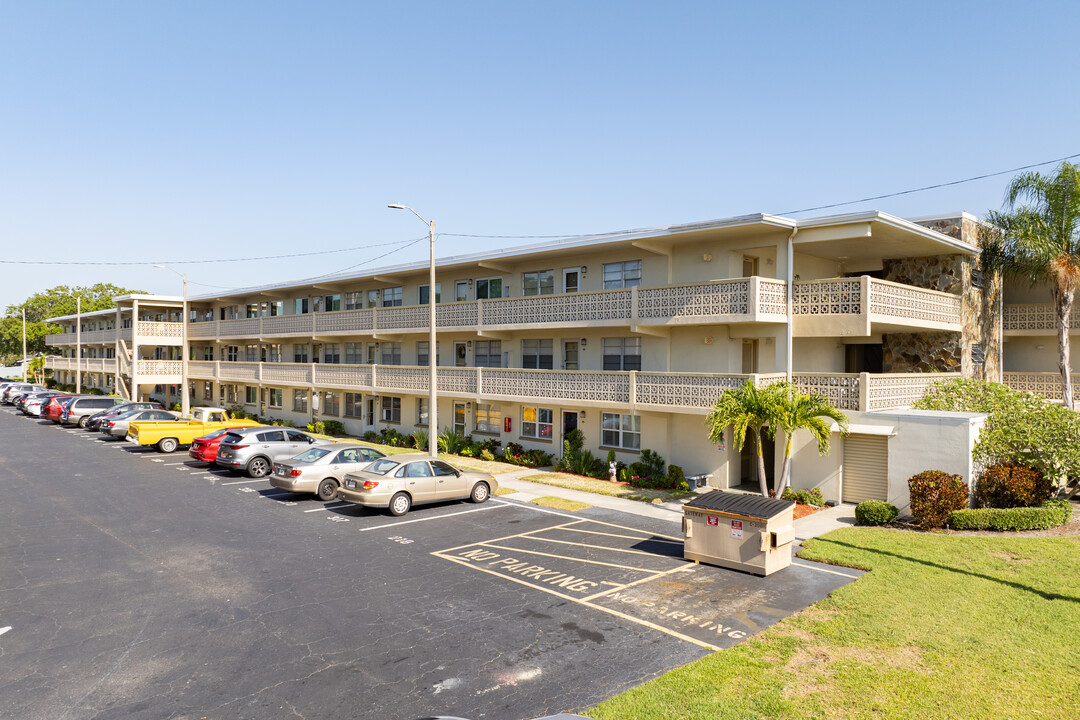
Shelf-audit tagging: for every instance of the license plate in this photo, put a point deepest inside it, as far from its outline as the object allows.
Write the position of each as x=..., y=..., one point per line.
x=350, y=483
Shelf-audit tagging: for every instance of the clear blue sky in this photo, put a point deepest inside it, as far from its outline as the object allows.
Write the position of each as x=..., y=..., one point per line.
x=165, y=131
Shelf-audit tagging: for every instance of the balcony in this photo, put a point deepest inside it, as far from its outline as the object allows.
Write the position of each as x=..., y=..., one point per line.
x=740, y=300
x=150, y=333
x=863, y=306
x=99, y=365
x=692, y=393
x=1046, y=384
x=1035, y=319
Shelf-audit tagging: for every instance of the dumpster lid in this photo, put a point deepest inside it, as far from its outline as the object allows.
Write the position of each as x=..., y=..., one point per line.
x=741, y=504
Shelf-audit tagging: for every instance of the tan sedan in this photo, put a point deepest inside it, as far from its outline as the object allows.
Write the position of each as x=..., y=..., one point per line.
x=400, y=481
x=319, y=470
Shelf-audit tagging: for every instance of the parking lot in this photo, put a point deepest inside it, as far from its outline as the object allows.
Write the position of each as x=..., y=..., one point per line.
x=143, y=585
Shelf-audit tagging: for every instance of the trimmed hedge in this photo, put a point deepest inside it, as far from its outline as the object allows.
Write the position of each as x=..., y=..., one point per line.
x=1012, y=486
x=1050, y=514
x=875, y=512
x=934, y=494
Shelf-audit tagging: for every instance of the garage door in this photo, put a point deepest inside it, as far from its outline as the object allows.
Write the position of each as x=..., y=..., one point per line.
x=866, y=468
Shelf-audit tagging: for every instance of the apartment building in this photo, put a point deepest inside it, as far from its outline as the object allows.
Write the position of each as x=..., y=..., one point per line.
x=630, y=338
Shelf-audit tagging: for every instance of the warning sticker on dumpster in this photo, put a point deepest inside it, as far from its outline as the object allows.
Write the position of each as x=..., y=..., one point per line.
x=713, y=520
x=736, y=528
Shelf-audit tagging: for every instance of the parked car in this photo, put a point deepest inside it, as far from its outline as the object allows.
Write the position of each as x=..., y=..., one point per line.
x=169, y=436
x=255, y=450
x=321, y=470
x=56, y=406
x=205, y=448
x=79, y=410
x=15, y=389
x=21, y=400
x=94, y=422
x=34, y=404
x=399, y=482
x=118, y=426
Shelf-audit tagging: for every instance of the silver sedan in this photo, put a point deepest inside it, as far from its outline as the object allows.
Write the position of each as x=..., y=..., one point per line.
x=399, y=482
x=118, y=426
x=320, y=470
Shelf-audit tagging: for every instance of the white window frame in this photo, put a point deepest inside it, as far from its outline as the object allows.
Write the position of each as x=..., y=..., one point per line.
x=620, y=430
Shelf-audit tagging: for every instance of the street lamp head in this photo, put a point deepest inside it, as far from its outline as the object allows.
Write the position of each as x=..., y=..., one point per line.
x=396, y=206
x=159, y=266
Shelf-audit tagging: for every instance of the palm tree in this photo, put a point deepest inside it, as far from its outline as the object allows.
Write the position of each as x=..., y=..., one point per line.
x=748, y=409
x=1040, y=242
x=797, y=411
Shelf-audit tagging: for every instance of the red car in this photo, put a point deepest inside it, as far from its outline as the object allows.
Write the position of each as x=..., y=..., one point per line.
x=56, y=406
x=205, y=448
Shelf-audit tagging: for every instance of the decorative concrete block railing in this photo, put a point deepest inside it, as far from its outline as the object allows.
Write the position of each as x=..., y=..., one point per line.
x=160, y=368
x=105, y=365
x=1046, y=384
x=1035, y=319
x=850, y=306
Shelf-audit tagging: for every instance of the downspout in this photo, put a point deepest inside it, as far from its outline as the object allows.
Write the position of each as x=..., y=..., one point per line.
x=790, y=291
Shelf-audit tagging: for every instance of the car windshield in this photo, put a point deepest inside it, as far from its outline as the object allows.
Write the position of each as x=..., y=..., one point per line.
x=381, y=467
x=310, y=456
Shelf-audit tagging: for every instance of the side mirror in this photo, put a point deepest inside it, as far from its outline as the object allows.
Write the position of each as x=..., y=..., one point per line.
x=310, y=440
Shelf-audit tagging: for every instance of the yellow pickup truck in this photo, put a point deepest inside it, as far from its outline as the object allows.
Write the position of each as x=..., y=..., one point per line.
x=168, y=436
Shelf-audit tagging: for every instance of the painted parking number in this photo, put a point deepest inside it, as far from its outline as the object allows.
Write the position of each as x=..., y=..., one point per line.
x=736, y=528
x=399, y=539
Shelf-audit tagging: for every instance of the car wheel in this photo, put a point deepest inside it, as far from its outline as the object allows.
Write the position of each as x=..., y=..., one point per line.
x=400, y=504
x=258, y=467
x=480, y=492
x=82, y=422
x=328, y=489
x=167, y=445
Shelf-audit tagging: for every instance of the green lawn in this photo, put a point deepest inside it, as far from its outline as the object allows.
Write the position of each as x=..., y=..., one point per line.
x=603, y=487
x=942, y=627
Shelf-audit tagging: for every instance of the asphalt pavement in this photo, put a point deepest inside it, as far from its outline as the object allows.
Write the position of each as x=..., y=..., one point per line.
x=140, y=585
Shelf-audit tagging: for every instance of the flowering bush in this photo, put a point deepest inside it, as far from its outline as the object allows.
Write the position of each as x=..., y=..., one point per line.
x=934, y=494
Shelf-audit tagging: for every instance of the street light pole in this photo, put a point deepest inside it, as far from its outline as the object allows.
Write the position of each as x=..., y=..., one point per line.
x=185, y=399
x=78, y=345
x=24, y=344
x=433, y=392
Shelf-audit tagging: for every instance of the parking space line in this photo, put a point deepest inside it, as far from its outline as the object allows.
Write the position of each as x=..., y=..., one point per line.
x=824, y=570
x=515, y=535
x=642, y=581
x=243, y=482
x=597, y=547
x=580, y=601
x=329, y=507
x=435, y=517
x=534, y=508
x=179, y=463
x=279, y=495
x=648, y=536
x=564, y=557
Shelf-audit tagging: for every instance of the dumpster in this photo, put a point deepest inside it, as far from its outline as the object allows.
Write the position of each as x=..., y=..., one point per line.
x=739, y=531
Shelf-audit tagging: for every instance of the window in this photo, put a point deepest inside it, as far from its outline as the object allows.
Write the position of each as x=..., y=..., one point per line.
x=570, y=355
x=331, y=303
x=391, y=409
x=275, y=308
x=536, y=422
x=423, y=294
x=251, y=395
x=621, y=431
x=208, y=391
x=354, y=353
x=273, y=352
x=300, y=353
x=461, y=291
x=272, y=435
x=422, y=352
x=331, y=404
x=488, y=418
x=228, y=393
x=536, y=354
x=488, y=353
x=354, y=405
x=371, y=348
x=300, y=306
x=422, y=411
x=391, y=353
x=251, y=353
x=489, y=288
x=354, y=301
x=232, y=353
x=331, y=354
x=571, y=279
x=251, y=311
x=207, y=352
x=299, y=401
x=391, y=297
x=622, y=353
x=622, y=275
x=275, y=397
x=372, y=298
x=538, y=283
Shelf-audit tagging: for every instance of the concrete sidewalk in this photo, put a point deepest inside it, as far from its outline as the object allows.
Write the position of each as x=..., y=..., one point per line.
x=821, y=522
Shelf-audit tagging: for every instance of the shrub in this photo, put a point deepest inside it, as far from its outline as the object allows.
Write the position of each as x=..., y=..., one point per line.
x=420, y=439
x=391, y=437
x=1010, y=486
x=811, y=496
x=371, y=436
x=584, y=463
x=333, y=427
x=934, y=494
x=486, y=454
x=676, y=478
x=653, y=462
x=491, y=445
x=875, y=512
x=1051, y=513
x=318, y=428
x=451, y=441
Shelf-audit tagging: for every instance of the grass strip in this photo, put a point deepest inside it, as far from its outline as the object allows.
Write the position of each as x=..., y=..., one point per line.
x=559, y=503
x=603, y=487
x=943, y=627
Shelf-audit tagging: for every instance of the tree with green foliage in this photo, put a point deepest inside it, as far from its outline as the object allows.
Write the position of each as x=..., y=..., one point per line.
x=1022, y=428
x=796, y=411
x=54, y=302
x=1039, y=242
x=747, y=410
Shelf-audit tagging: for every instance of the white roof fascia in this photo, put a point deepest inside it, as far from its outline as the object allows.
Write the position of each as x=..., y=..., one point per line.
x=112, y=310
x=876, y=216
